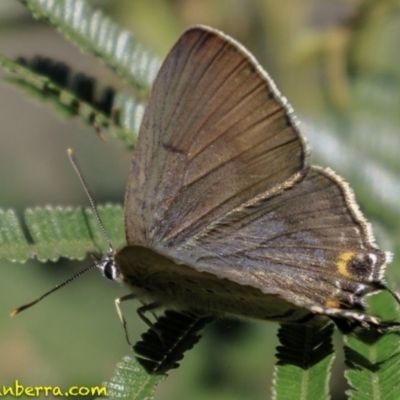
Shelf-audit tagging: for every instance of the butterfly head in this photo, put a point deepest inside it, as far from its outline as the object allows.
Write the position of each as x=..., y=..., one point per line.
x=107, y=264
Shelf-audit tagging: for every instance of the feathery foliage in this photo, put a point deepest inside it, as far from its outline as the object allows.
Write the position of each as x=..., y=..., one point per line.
x=304, y=359
x=373, y=358
x=95, y=33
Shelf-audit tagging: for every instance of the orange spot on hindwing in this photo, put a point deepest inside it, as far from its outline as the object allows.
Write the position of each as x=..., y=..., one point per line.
x=342, y=262
x=332, y=303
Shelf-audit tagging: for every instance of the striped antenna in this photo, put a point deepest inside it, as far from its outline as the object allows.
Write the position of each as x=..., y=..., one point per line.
x=96, y=213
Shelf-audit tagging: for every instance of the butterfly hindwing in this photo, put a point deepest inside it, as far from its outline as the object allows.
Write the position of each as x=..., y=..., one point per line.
x=309, y=244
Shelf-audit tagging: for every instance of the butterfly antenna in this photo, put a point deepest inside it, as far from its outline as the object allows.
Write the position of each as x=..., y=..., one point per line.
x=72, y=278
x=89, y=195
x=32, y=303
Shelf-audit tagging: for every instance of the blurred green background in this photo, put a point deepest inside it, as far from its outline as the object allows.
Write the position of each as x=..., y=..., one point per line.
x=338, y=64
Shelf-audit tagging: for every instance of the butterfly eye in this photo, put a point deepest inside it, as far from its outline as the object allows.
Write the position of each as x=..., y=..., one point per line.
x=106, y=264
x=109, y=270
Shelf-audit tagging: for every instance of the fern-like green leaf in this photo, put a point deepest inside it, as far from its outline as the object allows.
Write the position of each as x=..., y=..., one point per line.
x=304, y=360
x=128, y=113
x=137, y=378
x=72, y=94
x=163, y=345
x=13, y=244
x=131, y=381
x=93, y=32
x=59, y=232
x=373, y=358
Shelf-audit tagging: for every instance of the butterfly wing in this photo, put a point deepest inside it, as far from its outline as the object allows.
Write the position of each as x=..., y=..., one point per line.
x=310, y=244
x=216, y=134
x=220, y=182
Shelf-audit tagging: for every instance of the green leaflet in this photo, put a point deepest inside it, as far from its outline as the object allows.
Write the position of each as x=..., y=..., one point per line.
x=304, y=361
x=93, y=32
x=136, y=378
x=55, y=232
x=131, y=381
x=176, y=333
x=13, y=244
x=73, y=94
x=373, y=358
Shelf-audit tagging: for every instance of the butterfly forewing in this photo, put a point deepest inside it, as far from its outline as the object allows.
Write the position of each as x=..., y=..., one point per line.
x=215, y=135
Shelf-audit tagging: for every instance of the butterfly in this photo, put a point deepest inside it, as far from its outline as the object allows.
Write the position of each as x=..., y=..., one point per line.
x=224, y=215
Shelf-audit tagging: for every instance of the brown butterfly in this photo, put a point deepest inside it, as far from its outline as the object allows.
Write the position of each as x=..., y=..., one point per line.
x=224, y=215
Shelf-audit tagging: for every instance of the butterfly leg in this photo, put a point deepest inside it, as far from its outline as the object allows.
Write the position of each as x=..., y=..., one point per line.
x=144, y=309
x=118, y=301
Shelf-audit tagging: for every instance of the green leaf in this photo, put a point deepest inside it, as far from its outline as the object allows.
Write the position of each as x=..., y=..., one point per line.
x=131, y=381
x=130, y=113
x=93, y=32
x=373, y=358
x=13, y=244
x=59, y=232
x=49, y=81
x=304, y=361
x=163, y=345
x=137, y=378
